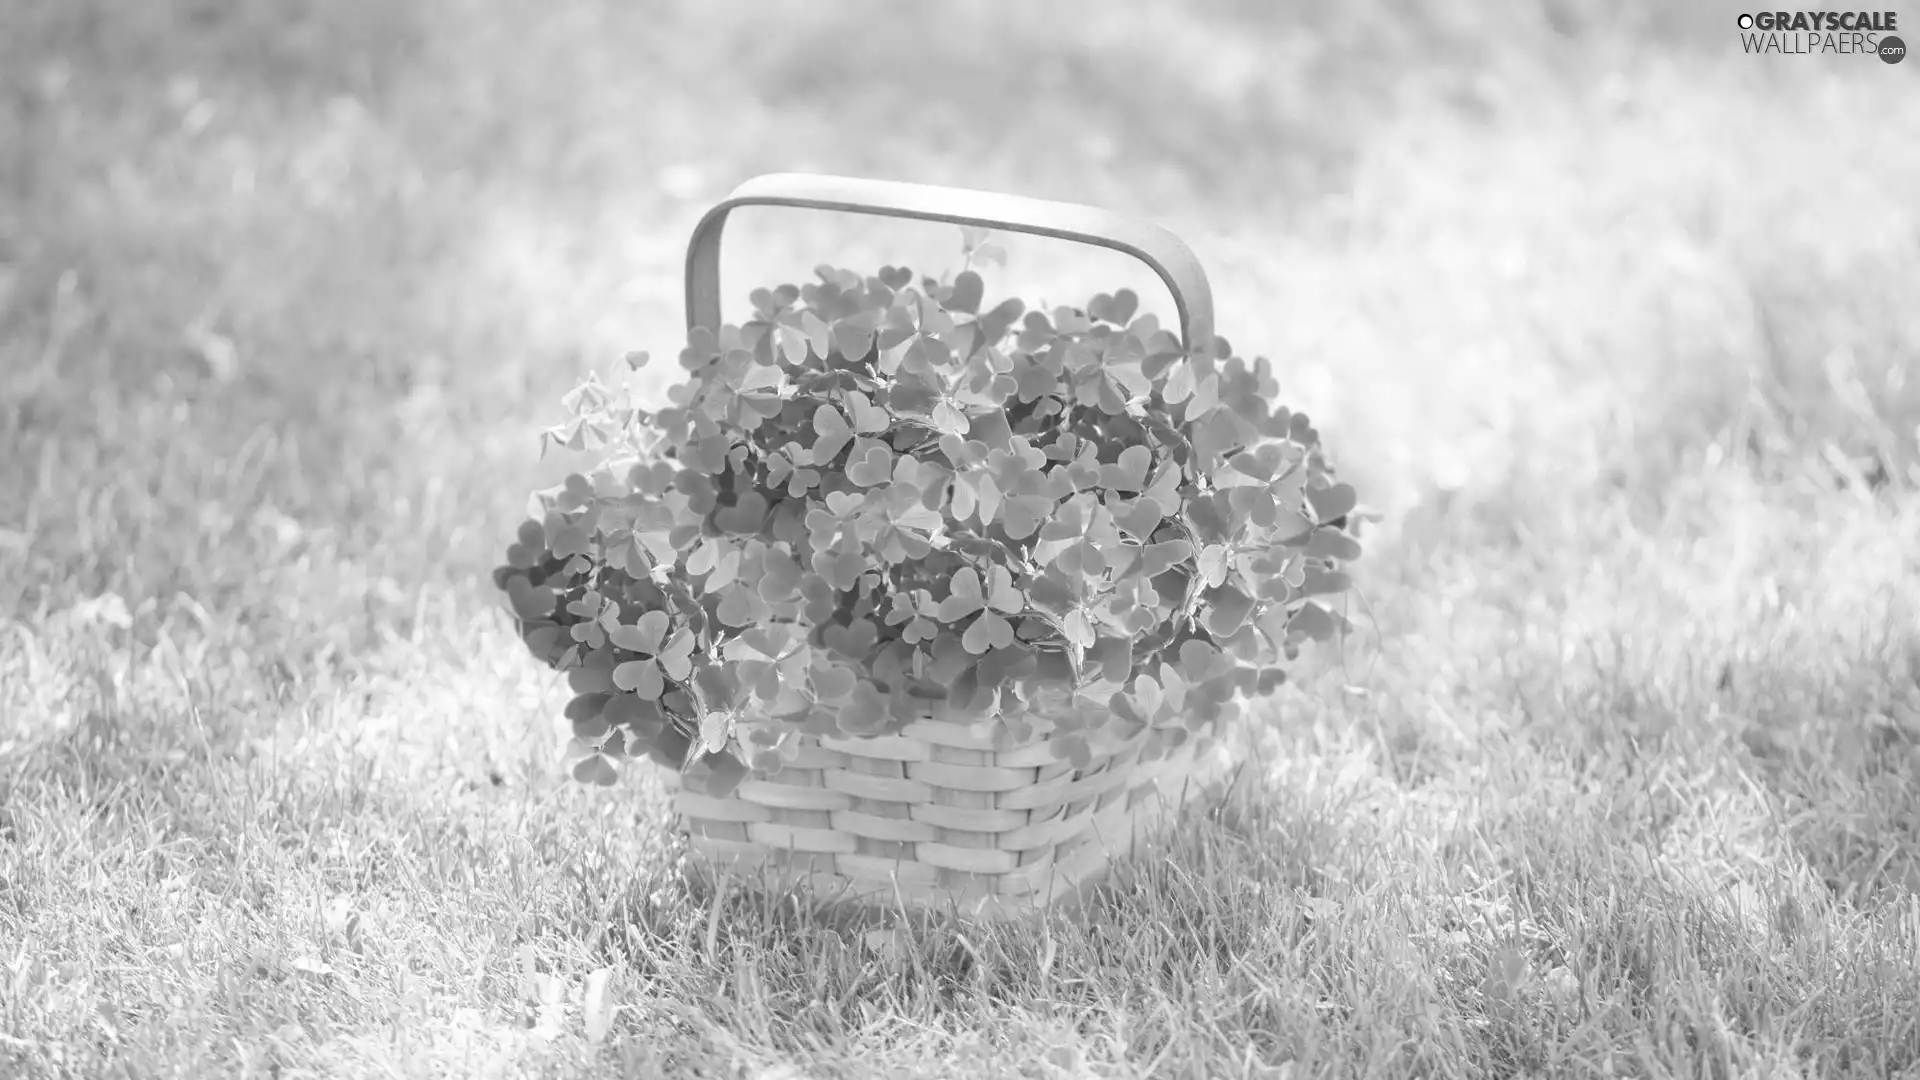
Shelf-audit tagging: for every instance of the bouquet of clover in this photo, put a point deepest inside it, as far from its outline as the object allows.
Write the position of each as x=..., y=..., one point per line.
x=881, y=501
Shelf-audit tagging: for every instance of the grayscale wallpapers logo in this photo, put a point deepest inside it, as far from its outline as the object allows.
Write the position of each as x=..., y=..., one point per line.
x=1811, y=33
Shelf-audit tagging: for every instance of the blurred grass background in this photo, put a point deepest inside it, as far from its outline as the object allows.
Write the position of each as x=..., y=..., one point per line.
x=1615, y=326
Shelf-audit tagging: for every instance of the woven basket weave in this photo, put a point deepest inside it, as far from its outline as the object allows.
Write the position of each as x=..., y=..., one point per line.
x=934, y=815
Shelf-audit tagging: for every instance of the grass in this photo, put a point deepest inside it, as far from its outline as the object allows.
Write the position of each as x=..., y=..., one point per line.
x=1621, y=776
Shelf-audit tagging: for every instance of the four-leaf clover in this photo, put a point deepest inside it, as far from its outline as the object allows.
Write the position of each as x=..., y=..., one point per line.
x=660, y=659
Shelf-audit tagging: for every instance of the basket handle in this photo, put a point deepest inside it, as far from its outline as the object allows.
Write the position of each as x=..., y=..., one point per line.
x=1164, y=252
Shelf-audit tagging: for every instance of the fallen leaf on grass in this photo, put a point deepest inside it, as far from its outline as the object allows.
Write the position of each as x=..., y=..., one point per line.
x=216, y=351
x=342, y=921
x=597, y=1010
x=308, y=965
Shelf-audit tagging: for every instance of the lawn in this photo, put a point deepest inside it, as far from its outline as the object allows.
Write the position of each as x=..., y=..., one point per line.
x=1614, y=326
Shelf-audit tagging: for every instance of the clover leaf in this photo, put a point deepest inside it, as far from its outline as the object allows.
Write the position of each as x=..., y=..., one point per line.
x=872, y=465
x=1117, y=309
x=971, y=595
x=873, y=482
x=660, y=659
x=832, y=434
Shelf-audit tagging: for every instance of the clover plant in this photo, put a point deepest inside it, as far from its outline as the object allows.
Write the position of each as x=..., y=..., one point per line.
x=879, y=500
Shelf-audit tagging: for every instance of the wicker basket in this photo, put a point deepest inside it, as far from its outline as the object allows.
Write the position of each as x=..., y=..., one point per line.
x=935, y=816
